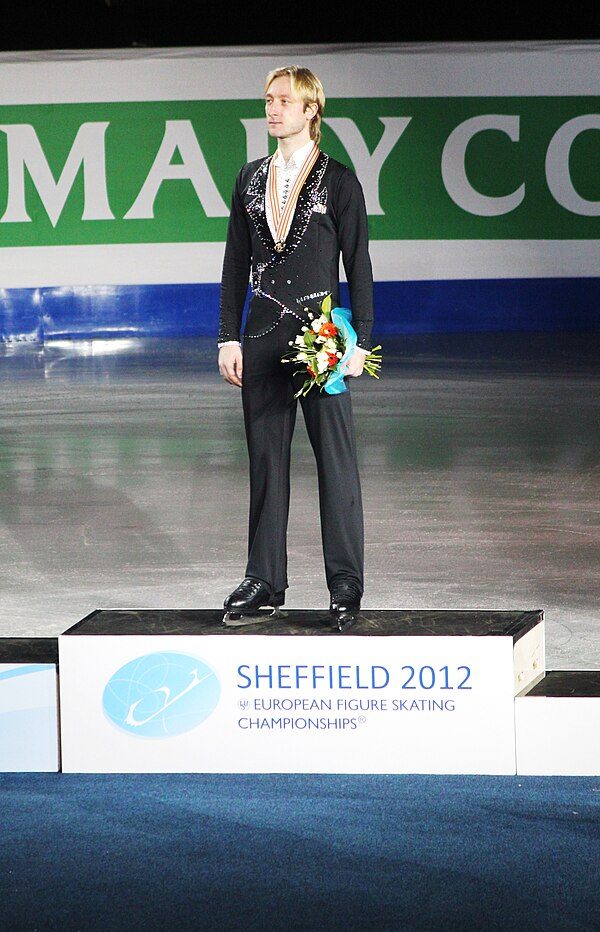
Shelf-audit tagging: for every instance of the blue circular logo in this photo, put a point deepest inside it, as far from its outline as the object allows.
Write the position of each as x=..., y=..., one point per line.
x=161, y=695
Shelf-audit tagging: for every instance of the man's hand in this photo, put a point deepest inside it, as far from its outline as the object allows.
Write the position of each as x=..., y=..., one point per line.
x=230, y=363
x=355, y=365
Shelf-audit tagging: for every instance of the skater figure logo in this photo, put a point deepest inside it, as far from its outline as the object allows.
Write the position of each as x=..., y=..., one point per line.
x=161, y=695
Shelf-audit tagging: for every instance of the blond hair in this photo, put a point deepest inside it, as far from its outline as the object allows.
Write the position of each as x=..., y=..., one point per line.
x=307, y=87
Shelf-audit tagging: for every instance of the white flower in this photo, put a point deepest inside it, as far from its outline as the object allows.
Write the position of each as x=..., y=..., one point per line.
x=330, y=345
x=299, y=340
x=301, y=356
x=321, y=340
x=304, y=329
x=322, y=361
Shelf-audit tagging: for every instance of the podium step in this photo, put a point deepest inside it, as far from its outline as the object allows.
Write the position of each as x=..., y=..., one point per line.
x=401, y=692
x=565, y=684
x=28, y=705
x=309, y=622
x=557, y=723
x=29, y=650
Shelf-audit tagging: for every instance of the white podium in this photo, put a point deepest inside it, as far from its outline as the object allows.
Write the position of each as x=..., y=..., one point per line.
x=28, y=705
x=401, y=692
x=558, y=725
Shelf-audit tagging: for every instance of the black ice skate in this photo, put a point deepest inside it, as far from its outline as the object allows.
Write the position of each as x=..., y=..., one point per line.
x=251, y=603
x=345, y=603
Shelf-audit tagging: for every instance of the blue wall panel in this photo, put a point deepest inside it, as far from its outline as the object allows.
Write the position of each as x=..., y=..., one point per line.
x=45, y=314
x=487, y=305
x=130, y=310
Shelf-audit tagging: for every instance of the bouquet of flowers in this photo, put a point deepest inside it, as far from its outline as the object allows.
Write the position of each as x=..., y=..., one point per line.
x=323, y=347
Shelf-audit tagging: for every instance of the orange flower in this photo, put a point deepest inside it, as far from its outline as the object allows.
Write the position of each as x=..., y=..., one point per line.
x=328, y=330
x=332, y=360
x=313, y=374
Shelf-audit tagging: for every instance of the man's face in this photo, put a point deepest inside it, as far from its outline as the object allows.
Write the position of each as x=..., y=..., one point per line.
x=286, y=116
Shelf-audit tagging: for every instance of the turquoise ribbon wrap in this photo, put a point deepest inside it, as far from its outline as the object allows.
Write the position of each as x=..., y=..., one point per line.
x=341, y=317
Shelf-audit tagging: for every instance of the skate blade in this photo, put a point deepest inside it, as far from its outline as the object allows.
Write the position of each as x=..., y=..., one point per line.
x=343, y=623
x=234, y=620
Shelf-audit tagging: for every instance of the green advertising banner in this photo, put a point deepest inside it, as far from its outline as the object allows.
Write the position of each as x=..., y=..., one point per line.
x=433, y=168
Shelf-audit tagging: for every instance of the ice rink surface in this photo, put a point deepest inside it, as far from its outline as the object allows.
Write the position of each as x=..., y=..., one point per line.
x=123, y=482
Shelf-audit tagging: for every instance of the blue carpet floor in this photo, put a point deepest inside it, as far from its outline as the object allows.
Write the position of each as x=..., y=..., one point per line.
x=298, y=852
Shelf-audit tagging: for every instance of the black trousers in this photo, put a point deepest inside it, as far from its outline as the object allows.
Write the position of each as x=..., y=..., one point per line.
x=269, y=417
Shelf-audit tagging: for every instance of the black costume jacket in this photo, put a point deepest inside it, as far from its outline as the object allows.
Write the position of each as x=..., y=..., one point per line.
x=330, y=219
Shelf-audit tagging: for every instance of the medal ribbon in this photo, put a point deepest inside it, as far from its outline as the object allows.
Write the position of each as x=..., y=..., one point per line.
x=282, y=219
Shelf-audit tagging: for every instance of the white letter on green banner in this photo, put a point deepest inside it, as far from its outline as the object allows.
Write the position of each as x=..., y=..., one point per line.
x=454, y=174
x=368, y=167
x=558, y=175
x=179, y=134
x=25, y=151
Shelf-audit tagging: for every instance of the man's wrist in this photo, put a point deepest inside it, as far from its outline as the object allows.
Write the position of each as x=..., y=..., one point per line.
x=229, y=343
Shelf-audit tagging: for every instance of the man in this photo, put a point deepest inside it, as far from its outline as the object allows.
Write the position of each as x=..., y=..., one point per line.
x=292, y=215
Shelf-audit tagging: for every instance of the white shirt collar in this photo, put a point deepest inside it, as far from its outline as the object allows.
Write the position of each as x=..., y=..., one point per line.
x=297, y=159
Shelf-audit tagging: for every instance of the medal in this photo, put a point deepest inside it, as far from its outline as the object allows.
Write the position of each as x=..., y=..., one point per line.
x=282, y=216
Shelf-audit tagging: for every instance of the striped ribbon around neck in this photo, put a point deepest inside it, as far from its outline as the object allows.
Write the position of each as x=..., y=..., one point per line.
x=282, y=219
